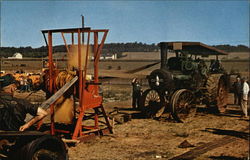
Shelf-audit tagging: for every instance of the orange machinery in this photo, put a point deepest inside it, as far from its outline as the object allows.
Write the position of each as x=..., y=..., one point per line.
x=87, y=92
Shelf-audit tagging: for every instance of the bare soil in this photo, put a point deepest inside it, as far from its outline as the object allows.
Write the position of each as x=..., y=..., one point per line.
x=147, y=139
x=152, y=139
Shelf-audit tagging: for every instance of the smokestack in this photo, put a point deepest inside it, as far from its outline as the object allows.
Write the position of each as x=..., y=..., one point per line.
x=163, y=47
x=82, y=27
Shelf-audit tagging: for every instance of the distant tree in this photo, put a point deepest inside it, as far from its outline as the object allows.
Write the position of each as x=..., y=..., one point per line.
x=108, y=48
x=228, y=48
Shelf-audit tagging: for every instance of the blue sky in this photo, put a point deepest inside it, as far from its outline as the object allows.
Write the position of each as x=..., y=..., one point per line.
x=211, y=22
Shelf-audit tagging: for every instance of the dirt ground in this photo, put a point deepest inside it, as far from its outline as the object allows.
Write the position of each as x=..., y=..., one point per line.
x=146, y=139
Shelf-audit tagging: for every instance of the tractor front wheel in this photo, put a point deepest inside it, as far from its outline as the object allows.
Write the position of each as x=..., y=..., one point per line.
x=181, y=105
x=152, y=103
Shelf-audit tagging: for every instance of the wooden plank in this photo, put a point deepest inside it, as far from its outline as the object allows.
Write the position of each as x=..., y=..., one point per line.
x=196, y=152
x=90, y=131
x=20, y=134
x=91, y=136
x=121, y=118
x=70, y=141
x=58, y=94
x=205, y=148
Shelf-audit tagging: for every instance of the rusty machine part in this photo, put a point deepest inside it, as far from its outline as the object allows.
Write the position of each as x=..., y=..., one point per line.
x=185, y=80
x=85, y=92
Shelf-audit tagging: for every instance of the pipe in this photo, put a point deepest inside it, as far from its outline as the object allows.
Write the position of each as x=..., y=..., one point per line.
x=163, y=47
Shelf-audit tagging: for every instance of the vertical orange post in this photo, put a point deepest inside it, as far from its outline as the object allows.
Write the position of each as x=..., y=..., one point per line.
x=95, y=57
x=80, y=63
x=65, y=42
x=84, y=81
x=51, y=69
x=78, y=128
x=96, y=121
x=86, y=63
x=80, y=82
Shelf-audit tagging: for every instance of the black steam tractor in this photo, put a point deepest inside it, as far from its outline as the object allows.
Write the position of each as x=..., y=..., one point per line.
x=185, y=81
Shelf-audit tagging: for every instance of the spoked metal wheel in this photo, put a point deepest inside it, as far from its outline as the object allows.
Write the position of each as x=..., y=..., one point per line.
x=181, y=105
x=152, y=103
x=222, y=96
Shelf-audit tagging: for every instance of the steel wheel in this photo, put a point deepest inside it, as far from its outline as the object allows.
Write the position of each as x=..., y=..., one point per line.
x=152, y=103
x=217, y=92
x=181, y=105
x=222, y=96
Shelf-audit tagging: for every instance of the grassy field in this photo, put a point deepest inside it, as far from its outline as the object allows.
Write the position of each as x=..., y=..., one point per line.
x=115, y=65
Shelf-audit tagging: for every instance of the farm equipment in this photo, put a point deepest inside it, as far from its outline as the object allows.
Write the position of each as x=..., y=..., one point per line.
x=84, y=94
x=71, y=93
x=185, y=80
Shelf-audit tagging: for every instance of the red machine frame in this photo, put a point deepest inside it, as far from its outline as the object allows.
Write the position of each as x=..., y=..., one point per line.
x=89, y=97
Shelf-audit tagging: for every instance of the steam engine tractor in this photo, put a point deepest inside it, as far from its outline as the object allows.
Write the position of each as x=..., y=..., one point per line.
x=184, y=81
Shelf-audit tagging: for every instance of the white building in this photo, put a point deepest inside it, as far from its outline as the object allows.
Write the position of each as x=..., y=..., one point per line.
x=16, y=56
x=111, y=56
x=108, y=56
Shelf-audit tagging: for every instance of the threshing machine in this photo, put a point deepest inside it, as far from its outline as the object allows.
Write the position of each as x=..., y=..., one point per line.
x=71, y=93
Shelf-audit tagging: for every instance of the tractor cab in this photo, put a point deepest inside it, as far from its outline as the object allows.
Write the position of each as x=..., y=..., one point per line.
x=190, y=56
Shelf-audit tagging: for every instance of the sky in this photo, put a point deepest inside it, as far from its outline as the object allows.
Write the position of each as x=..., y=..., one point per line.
x=152, y=21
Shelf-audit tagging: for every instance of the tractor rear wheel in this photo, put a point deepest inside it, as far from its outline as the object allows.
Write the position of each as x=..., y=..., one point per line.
x=216, y=92
x=152, y=103
x=181, y=105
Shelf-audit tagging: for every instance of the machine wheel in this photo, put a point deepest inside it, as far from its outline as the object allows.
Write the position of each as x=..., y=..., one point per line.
x=216, y=92
x=222, y=95
x=152, y=103
x=43, y=154
x=46, y=147
x=181, y=105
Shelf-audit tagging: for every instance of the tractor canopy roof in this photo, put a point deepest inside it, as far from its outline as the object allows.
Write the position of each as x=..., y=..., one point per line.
x=195, y=48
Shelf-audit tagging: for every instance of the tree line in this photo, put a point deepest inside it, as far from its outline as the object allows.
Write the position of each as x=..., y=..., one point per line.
x=109, y=48
x=229, y=48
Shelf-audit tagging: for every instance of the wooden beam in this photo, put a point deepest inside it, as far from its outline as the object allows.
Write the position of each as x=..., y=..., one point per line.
x=58, y=94
x=19, y=134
